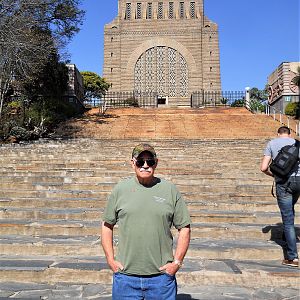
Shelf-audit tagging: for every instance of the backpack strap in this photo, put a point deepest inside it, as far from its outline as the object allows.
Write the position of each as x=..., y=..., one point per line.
x=272, y=190
x=297, y=144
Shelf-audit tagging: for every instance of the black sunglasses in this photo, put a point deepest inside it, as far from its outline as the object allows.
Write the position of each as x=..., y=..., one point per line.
x=140, y=162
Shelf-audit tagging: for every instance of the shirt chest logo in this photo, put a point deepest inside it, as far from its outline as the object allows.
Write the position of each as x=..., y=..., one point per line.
x=159, y=199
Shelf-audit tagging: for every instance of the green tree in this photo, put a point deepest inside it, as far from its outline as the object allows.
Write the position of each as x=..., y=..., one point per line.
x=30, y=32
x=50, y=82
x=257, y=99
x=42, y=103
x=259, y=95
x=94, y=85
x=291, y=109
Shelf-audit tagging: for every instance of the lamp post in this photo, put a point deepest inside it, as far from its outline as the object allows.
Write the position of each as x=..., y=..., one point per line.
x=247, y=101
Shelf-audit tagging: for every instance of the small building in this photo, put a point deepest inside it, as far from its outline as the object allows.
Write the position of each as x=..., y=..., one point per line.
x=281, y=87
x=75, y=93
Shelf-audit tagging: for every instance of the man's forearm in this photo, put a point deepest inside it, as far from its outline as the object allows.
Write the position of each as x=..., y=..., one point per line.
x=265, y=163
x=182, y=243
x=107, y=240
x=108, y=247
x=269, y=173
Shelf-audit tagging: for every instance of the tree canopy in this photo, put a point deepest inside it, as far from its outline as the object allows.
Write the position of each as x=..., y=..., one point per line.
x=94, y=85
x=258, y=95
x=31, y=31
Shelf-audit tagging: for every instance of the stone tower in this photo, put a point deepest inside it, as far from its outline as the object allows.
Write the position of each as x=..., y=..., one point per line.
x=168, y=47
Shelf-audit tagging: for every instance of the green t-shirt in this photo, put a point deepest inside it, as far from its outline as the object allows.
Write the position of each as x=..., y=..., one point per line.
x=144, y=216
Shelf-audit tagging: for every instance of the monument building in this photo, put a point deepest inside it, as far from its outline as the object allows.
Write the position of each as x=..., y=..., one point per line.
x=282, y=89
x=166, y=47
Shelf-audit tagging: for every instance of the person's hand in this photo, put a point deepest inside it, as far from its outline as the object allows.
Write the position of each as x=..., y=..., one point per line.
x=115, y=265
x=170, y=268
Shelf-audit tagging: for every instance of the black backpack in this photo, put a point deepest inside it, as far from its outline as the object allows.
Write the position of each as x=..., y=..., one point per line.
x=286, y=160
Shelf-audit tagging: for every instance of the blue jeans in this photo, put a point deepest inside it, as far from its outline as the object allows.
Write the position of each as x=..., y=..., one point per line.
x=162, y=287
x=287, y=196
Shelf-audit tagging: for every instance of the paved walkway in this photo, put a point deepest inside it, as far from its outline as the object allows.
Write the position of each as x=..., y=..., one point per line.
x=206, y=291
x=103, y=292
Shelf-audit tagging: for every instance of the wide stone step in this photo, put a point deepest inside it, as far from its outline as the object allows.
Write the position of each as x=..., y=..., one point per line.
x=251, y=273
x=44, y=190
x=41, y=194
x=208, y=216
x=98, y=158
x=30, y=205
x=183, y=179
x=60, y=290
x=52, y=147
x=187, y=164
x=231, y=198
x=85, y=213
x=94, y=214
x=189, y=196
x=82, y=175
x=221, y=231
x=52, y=227
x=59, y=244
x=55, y=203
x=233, y=205
x=197, y=153
x=36, y=291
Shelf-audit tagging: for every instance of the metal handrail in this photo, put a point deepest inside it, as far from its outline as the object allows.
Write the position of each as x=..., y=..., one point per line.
x=283, y=119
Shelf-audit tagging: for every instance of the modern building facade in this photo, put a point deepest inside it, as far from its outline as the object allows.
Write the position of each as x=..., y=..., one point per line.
x=282, y=89
x=166, y=47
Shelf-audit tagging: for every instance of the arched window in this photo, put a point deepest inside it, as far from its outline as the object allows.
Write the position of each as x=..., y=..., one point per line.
x=139, y=10
x=128, y=11
x=171, y=10
x=192, y=10
x=163, y=70
x=181, y=10
x=160, y=10
x=149, y=11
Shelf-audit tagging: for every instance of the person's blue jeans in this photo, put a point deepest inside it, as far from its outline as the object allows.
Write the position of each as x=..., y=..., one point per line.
x=287, y=195
x=162, y=287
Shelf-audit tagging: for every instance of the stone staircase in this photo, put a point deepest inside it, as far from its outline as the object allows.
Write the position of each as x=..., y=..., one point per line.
x=170, y=123
x=53, y=192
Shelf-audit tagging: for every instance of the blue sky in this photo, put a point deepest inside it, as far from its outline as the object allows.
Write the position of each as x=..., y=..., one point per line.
x=255, y=37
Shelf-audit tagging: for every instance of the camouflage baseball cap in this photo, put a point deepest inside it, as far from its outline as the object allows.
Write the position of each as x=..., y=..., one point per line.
x=141, y=148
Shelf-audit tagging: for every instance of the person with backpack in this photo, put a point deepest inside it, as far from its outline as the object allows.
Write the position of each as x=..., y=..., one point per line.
x=281, y=161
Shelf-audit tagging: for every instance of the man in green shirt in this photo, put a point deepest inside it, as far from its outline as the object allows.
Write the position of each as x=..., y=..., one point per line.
x=145, y=208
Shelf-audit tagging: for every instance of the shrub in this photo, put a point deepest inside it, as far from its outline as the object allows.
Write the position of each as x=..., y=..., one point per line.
x=52, y=113
x=291, y=109
x=224, y=100
x=7, y=124
x=238, y=103
x=20, y=133
x=256, y=105
x=14, y=104
x=132, y=102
